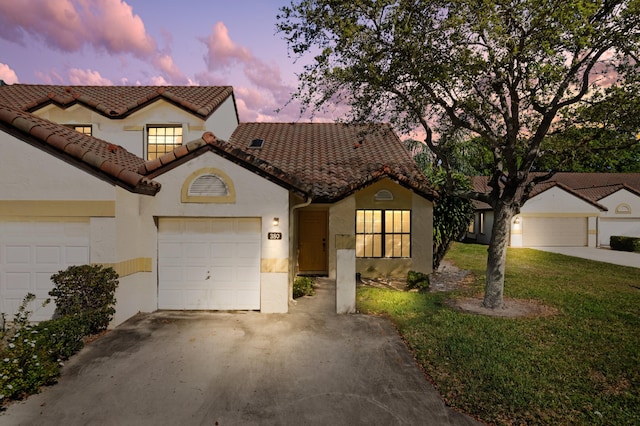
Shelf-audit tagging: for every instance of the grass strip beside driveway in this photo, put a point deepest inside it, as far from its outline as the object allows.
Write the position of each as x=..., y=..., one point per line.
x=581, y=366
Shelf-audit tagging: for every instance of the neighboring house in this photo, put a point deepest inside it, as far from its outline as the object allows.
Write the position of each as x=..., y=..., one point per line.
x=570, y=209
x=191, y=208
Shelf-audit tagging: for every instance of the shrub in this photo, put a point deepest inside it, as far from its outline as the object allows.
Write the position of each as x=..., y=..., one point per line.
x=303, y=286
x=87, y=292
x=418, y=280
x=624, y=243
x=31, y=354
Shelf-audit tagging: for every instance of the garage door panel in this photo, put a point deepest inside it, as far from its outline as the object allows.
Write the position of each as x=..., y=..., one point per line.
x=197, y=250
x=219, y=260
x=247, y=299
x=30, y=253
x=554, y=231
x=18, y=282
x=43, y=281
x=223, y=274
x=170, y=273
x=196, y=275
x=18, y=254
x=48, y=255
x=171, y=299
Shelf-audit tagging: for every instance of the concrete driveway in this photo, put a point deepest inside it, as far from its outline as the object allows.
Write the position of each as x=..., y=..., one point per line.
x=310, y=366
x=623, y=258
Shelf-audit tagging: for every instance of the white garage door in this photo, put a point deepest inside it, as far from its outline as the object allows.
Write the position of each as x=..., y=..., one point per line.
x=209, y=264
x=554, y=231
x=30, y=253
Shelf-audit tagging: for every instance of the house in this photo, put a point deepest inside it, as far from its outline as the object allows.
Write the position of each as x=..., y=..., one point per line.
x=193, y=209
x=570, y=209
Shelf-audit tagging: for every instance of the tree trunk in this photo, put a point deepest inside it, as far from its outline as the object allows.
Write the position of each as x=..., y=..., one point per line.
x=497, y=257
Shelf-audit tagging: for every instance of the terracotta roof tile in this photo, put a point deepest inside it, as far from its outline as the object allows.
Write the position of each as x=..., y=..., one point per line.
x=102, y=157
x=208, y=142
x=333, y=160
x=115, y=101
x=591, y=187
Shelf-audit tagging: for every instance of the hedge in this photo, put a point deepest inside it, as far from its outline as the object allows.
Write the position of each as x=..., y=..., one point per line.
x=621, y=243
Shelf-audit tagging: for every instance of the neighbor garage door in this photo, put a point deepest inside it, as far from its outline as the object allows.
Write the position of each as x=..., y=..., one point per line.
x=554, y=231
x=30, y=252
x=209, y=264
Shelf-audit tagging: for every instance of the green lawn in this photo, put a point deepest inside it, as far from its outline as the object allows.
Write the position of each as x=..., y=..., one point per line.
x=581, y=366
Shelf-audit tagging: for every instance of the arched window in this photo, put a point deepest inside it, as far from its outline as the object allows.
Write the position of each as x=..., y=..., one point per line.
x=383, y=195
x=623, y=208
x=208, y=186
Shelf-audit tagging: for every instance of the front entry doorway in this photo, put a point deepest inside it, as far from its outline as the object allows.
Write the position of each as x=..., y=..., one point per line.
x=312, y=242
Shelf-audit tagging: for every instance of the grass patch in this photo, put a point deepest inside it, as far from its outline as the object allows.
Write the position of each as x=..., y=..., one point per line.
x=581, y=366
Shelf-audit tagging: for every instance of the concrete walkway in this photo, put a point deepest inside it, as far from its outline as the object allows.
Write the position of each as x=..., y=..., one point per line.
x=606, y=255
x=308, y=367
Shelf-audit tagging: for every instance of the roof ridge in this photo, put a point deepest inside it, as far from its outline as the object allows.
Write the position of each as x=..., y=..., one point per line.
x=198, y=100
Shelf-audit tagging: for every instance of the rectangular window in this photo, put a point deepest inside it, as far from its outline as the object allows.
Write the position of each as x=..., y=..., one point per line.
x=162, y=139
x=383, y=233
x=85, y=129
x=482, y=223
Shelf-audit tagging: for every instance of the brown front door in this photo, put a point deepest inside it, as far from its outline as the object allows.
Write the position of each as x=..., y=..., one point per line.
x=312, y=241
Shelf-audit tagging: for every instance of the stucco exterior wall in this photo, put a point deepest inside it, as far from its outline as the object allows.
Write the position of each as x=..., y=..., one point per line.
x=556, y=201
x=135, y=257
x=622, y=217
x=130, y=132
x=342, y=222
x=254, y=197
x=28, y=173
x=621, y=204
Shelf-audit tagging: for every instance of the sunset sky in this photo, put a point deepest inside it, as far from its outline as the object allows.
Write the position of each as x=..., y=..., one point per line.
x=153, y=42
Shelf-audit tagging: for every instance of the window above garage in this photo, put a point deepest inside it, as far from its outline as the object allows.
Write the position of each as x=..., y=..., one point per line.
x=208, y=185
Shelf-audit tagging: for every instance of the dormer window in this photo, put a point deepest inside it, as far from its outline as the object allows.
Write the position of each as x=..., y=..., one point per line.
x=85, y=129
x=162, y=139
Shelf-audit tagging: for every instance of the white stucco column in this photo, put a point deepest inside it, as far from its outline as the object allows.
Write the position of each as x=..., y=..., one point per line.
x=345, y=274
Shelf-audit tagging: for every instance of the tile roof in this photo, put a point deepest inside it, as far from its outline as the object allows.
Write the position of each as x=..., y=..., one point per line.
x=99, y=157
x=326, y=162
x=209, y=142
x=333, y=160
x=591, y=187
x=115, y=101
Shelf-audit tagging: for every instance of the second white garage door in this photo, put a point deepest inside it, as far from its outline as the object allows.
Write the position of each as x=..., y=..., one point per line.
x=554, y=231
x=206, y=263
x=30, y=252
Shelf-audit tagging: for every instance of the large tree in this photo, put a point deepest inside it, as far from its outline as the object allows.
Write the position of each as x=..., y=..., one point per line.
x=504, y=72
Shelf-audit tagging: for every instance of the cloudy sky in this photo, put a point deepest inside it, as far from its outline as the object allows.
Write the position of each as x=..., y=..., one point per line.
x=153, y=42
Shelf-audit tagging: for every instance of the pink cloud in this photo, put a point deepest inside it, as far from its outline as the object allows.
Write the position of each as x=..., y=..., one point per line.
x=68, y=25
x=80, y=77
x=52, y=77
x=165, y=64
x=8, y=75
x=112, y=25
x=222, y=51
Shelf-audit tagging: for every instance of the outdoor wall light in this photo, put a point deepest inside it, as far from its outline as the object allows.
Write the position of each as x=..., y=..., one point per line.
x=276, y=221
x=517, y=221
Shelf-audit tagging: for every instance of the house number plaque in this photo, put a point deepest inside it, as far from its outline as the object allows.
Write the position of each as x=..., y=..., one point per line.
x=274, y=235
